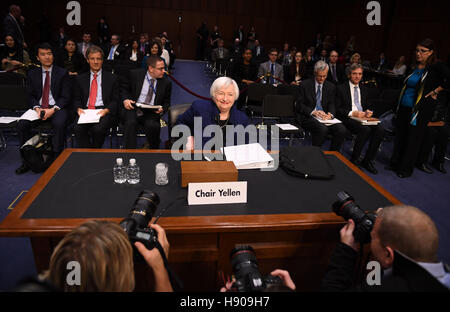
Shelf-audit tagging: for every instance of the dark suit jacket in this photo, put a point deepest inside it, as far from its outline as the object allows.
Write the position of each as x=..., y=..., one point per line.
x=215, y=54
x=131, y=88
x=59, y=87
x=209, y=113
x=110, y=91
x=140, y=57
x=10, y=27
x=344, y=100
x=340, y=74
x=119, y=55
x=306, y=102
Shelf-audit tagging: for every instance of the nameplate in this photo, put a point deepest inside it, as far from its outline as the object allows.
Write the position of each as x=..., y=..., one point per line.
x=217, y=193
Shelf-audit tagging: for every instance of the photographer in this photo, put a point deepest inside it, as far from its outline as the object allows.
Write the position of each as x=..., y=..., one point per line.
x=404, y=241
x=105, y=256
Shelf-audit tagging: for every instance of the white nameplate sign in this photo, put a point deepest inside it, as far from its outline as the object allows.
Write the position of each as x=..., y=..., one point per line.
x=217, y=193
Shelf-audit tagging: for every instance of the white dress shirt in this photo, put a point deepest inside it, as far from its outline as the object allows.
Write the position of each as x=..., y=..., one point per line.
x=51, y=100
x=144, y=90
x=352, y=93
x=99, y=99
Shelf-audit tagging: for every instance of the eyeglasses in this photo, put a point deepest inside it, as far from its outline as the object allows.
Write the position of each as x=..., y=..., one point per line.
x=422, y=51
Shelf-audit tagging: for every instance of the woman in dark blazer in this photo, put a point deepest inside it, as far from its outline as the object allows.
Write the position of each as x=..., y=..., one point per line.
x=70, y=59
x=417, y=103
x=297, y=70
x=133, y=55
x=219, y=111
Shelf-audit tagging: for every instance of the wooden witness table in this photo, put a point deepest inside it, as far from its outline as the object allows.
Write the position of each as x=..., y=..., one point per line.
x=200, y=245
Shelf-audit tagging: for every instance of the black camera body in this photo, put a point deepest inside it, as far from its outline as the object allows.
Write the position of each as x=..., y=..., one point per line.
x=348, y=209
x=136, y=224
x=247, y=274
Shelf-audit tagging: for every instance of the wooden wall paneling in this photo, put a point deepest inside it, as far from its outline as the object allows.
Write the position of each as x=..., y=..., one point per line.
x=226, y=27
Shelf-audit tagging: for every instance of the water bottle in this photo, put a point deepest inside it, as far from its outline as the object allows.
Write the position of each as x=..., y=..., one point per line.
x=120, y=172
x=133, y=172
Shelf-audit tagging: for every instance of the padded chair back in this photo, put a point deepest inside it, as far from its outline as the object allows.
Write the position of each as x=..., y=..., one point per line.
x=13, y=98
x=174, y=112
x=257, y=92
x=11, y=78
x=278, y=106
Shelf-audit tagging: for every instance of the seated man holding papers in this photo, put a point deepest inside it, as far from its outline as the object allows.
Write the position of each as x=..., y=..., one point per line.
x=48, y=90
x=351, y=109
x=316, y=109
x=95, y=90
x=146, y=97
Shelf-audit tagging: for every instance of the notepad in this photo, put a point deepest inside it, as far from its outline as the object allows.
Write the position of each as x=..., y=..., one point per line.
x=249, y=156
x=30, y=115
x=329, y=122
x=89, y=116
x=367, y=121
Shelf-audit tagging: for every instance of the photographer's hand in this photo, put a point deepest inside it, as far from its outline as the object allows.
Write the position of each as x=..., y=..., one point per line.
x=285, y=277
x=347, y=235
x=155, y=261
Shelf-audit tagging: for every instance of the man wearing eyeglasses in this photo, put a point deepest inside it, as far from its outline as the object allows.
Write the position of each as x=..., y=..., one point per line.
x=148, y=87
x=271, y=69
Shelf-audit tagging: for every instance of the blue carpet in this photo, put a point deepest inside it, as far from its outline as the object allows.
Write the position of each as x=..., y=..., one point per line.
x=428, y=192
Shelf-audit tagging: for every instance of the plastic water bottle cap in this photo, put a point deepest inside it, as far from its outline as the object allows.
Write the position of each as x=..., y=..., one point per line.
x=119, y=161
x=132, y=161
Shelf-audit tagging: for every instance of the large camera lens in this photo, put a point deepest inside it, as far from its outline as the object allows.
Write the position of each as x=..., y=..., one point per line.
x=245, y=269
x=143, y=210
x=346, y=207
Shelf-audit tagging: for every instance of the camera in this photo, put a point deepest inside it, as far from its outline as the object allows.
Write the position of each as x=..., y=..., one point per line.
x=246, y=272
x=348, y=209
x=136, y=224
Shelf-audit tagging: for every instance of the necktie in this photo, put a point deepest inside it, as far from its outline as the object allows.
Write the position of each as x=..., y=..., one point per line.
x=46, y=92
x=149, y=97
x=111, y=54
x=93, y=93
x=333, y=72
x=143, y=48
x=356, y=96
x=319, y=98
x=84, y=49
x=272, y=73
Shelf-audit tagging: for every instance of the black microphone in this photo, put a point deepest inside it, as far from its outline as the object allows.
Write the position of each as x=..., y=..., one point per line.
x=181, y=196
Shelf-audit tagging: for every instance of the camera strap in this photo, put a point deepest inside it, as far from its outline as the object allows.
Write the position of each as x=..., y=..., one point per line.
x=174, y=280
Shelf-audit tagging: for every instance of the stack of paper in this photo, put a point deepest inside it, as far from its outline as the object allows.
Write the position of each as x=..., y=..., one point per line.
x=8, y=120
x=143, y=105
x=89, y=116
x=250, y=156
x=329, y=122
x=367, y=121
x=30, y=115
x=286, y=127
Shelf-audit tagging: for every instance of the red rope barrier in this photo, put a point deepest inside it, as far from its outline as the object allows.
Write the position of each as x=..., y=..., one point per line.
x=186, y=89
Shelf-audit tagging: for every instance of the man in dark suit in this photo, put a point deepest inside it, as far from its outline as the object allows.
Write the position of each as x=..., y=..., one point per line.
x=317, y=102
x=352, y=102
x=96, y=89
x=271, y=68
x=239, y=34
x=11, y=25
x=48, y=91
x=259, y=53
x=337, y=71
x=85, y=44
x=149, y=87
x=115, y=50
x=220, y=53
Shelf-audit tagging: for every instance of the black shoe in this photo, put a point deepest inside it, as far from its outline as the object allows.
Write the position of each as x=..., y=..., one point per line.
x=22, y=169
x=368, y=165
x=439, y=167
x=424, y=168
